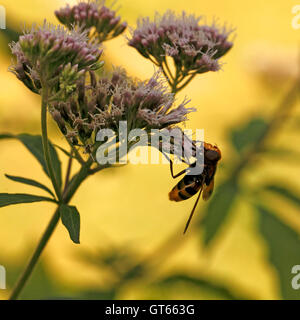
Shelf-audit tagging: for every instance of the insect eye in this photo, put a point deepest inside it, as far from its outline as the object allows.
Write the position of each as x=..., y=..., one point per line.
x=212, y=155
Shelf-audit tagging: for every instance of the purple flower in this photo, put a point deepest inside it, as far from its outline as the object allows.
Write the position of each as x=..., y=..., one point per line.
x=143, y=104
x=45, y=53
x=117, y=97
x=92, y=16
x=194, y=47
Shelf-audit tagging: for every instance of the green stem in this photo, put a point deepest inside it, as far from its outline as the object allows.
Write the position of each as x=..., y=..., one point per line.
x=77, y=154
x=69, y=168
x=76, y=182
x=67, y=196
x=187, y=82
x=46, y=144
x=175, y=82
x=166, y=75
x=168, y=69
x=44, y=240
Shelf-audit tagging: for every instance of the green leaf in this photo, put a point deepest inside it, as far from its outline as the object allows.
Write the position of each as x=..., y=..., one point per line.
x=249, y=134
x=284, y=249
x=284, y=192
x=7, y=199
x=30, y=182
x=35, y=145
x=218, y=209
x=211, y=288
x=6, y=136
x=71, y=220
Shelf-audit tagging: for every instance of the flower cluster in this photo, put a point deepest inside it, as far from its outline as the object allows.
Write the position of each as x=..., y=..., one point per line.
x=92, y=15
x=60, y=60
x=194, y=47
x=53, y=55
x=104, y=103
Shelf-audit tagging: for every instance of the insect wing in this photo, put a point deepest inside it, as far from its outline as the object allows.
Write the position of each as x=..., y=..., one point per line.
x=208, y=190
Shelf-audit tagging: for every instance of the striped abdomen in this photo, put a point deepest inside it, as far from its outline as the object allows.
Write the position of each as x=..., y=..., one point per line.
x=188, y=186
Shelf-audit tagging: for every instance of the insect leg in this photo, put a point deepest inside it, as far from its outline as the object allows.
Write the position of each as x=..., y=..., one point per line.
x=192, y=213
x=178, y=174
x=171, y=168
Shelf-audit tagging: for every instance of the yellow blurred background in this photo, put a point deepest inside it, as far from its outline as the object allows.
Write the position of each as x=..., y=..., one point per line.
x=129, y=206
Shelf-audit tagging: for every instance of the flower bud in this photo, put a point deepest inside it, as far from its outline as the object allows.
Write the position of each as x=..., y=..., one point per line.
x=59, y=120
x=91, y=14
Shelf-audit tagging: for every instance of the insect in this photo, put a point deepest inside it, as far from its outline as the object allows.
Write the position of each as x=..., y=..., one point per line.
x=191, y=184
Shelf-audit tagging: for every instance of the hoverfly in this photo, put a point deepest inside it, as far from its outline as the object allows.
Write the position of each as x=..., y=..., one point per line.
x=203, y=183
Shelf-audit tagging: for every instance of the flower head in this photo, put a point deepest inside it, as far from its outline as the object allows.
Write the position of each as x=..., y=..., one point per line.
x=193, y=46
x=92, y=15
x=117, y=97
x=45, y=52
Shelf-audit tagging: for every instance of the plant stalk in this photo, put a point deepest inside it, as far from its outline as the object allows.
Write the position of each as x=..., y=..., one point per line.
x=46, y=144
x=70, y=191
x=38, y=251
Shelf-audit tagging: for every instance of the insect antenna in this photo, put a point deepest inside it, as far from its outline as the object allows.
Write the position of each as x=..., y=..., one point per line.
x=192, y=213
